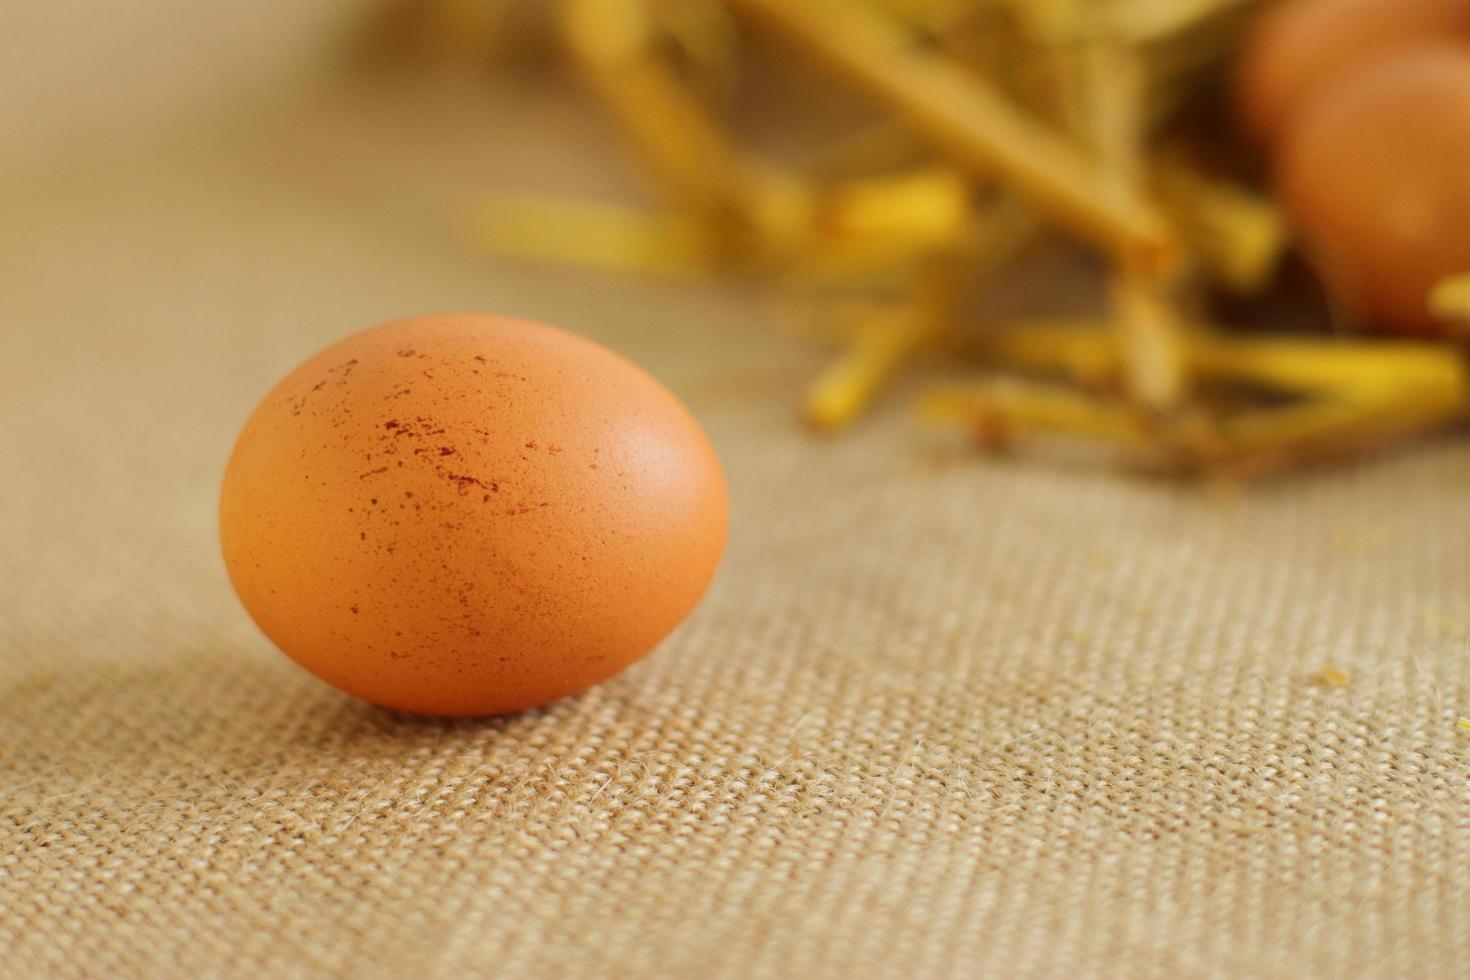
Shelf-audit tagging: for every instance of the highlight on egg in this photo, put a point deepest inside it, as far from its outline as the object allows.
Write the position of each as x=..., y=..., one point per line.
x=470, y=515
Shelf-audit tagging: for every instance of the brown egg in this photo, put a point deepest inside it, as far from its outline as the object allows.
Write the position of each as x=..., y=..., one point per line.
x=467, y=515
x=1376, y=177
x=1300, y=48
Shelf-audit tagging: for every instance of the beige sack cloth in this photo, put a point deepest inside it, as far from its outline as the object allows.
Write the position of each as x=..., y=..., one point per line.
x=939, y=716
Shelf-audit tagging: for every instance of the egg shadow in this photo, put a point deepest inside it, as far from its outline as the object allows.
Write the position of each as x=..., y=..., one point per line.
x=220, y=718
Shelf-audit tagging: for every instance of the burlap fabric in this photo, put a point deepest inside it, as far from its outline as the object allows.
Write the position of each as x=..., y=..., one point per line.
x=940, y=716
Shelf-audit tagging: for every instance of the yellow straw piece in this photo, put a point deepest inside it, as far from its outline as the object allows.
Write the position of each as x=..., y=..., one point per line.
x=998, y=408
x=1112, y=83
x=922, y=208
x=887, y=339
x=1450, y=300
x=1343, y=369
x=1258, y=442
x=1085, y=352
x=841, y=392
x=864, y=224
x=696, y=164
x=1463, y=724
x=1155, y=356
x=1238, y=237
x=1347, y=370
x=972, y=123
x=1359, y=395
x=581, y=232
x=853, y=228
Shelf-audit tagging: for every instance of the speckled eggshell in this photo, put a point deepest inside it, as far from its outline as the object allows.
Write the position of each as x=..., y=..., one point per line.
x=469, y=515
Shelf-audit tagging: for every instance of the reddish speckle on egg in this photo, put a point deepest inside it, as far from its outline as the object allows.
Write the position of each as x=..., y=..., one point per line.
x=395, y=519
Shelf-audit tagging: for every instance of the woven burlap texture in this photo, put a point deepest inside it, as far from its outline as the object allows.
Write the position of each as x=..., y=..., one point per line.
x=939, y=716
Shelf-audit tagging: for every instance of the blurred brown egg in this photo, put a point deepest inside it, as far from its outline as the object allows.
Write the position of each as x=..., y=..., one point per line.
x=1299, y=48
x=1376, y=178
x=467, y=515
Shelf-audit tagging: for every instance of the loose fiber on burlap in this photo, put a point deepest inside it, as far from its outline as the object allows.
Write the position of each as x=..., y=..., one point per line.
x=939, y=716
